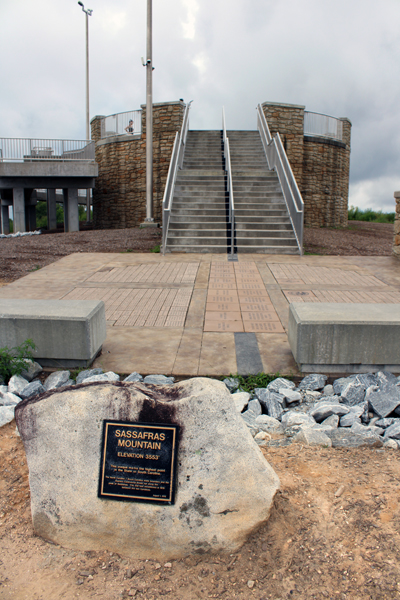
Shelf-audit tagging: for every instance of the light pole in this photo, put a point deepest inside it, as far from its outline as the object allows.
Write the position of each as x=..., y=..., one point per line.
x=149, y=118
x=88, y=13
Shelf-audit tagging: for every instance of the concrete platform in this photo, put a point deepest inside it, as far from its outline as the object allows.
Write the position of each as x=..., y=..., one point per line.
x=200, y=314
x=65, y=333
x=339, y=337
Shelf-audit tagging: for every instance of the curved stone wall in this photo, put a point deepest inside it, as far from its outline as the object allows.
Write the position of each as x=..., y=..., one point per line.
x=320, y=165
x=119, y=197
x=396, y=236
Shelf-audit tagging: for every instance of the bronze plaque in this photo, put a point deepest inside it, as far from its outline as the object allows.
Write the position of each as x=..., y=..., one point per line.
x=138, y=462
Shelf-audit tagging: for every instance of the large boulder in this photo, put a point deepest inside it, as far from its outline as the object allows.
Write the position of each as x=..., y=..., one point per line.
x=224, y=489
x=383, y=401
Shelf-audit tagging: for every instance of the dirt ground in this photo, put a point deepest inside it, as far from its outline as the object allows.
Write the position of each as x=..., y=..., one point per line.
x=20, y=256
x=334, y=532
x=359, y=238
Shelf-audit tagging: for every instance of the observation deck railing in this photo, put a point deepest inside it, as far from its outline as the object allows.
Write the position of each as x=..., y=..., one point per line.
x=125, y=123
x=319, y=125
x=32, y=150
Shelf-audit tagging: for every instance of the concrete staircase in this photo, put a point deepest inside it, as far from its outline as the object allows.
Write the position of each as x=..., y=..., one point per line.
x=262, y=222
x=198, y=221
x=199, y=215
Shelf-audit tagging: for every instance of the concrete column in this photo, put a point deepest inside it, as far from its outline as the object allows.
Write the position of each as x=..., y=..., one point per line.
x=19, y=210
x=5, y=221
x=51, y=209
x=65, y=194
x=30, y=212
x=71, y=213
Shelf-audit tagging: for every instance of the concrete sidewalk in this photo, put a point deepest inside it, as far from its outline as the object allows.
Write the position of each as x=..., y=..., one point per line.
x=200, y=314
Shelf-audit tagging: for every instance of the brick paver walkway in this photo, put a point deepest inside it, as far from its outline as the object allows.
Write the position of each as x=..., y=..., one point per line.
x=305, y=275
x=201, y=314
x=238, y=301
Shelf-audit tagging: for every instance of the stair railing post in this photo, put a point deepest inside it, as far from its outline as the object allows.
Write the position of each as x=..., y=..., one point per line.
x=229, y=186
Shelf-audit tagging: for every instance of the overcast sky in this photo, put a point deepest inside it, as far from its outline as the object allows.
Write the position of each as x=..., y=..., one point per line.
x=339, y=57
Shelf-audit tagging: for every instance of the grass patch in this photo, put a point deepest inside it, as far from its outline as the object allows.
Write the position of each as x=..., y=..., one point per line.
x=156, y=248
x=369, y=215
x=248, y=383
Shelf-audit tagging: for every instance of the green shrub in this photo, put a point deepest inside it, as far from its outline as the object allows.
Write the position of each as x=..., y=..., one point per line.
x=12, y=361
x=41, y=214
x=372, y=216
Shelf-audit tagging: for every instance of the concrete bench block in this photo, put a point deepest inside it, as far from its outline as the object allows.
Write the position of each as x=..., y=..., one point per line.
x=67, y=333
x=345, y=338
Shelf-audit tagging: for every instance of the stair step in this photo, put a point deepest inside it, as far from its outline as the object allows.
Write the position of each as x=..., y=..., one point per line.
x=205, y=225
x=199, y=215
x=189, y=173
x=244, y=234
x=254, y=196
x=271, y=241
x=267, y=249
x=277, y=226
x=199, y=249
x=201, y=212
x=186, y=220
x=188, y=207
x=200, y=189
x=180, y=240
x=213, y=234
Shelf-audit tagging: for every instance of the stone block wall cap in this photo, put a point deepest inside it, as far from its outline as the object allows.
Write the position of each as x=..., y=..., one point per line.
x=97, y=117
x=174, y=102
x=397, y=194
x=283, y=105
x=346, y=119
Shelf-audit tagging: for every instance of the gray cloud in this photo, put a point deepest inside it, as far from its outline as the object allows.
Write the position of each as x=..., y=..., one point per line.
x=337, y=57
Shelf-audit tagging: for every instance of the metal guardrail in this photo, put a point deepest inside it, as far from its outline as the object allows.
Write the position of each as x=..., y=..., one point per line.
x=176, y=163
x=31, y=150
x=317, y=124
x=41, y=195
x=125, y=123
x=278, y=160
x=229, y=185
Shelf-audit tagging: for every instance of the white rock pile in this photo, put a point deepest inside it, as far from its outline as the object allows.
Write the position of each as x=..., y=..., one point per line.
x=20, y=234
x=26, y=385
x=359, y=410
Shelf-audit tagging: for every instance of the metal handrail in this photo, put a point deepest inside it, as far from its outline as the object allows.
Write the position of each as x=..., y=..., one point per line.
x=176, y=163
x=278, y=160
x=229, y=184
x=32, y=150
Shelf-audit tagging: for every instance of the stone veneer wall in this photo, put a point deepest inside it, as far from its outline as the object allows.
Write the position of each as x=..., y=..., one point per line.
x=288, y=120
x=396, y=237
x=321, y=166
x=119, y=197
